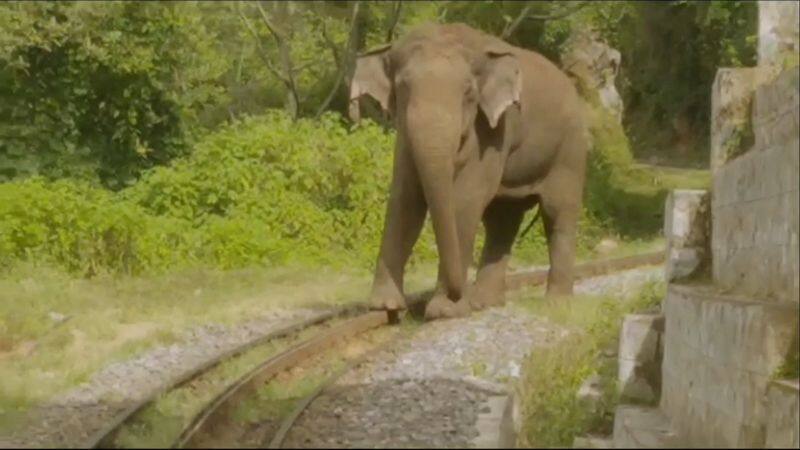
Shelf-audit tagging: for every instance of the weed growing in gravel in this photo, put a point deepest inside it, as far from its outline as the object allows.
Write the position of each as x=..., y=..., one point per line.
x=479, y=369
x=552, y=415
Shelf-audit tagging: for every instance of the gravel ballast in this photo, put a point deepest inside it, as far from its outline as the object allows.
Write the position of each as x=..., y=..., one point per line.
x=428, y=390
x=69, y=419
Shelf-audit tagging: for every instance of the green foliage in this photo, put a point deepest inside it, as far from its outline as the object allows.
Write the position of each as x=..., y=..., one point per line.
x=263, y=190
x=70, y=223
x=670, y=54
x=667, y=77
x=98, y=91
x=552, y=415
x=311, y=187
x=102, y=91
x=269, y=191
x=113, y=92
x=790, y=369
x=621, y=195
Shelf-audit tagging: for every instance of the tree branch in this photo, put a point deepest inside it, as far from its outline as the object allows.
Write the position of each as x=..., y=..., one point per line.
x=260, y=50
x=347, y=62
x=512, y=27
x=265, y=18
x=331, y=45
x=286, y=59
x=560, y=15
x=395, y=18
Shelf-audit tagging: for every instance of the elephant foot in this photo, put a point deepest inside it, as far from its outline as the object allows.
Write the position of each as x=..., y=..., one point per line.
x=481, y=297
x=387, y=301
x=441, y=307
x=557, y=291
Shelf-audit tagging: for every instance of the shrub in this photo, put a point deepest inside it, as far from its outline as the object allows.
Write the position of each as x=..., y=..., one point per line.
x=552, y=414
x=262, y=191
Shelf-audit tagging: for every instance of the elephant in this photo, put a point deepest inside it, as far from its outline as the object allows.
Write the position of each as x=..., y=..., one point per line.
x=485, y=131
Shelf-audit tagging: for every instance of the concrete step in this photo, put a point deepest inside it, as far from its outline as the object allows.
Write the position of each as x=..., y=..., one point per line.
x=593, y=442
x=643, y=427
x=783, y=404
x=720, y=354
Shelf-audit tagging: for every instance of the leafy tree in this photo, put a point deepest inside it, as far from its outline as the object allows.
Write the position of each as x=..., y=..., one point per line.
x=100, y=92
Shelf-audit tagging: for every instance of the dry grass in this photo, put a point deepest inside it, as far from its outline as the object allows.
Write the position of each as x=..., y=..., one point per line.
x=55, y=330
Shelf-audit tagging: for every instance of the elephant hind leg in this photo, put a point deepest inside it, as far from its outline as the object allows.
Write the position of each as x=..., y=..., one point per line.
x=561, y=208
x=502, y=220
x=561, y=202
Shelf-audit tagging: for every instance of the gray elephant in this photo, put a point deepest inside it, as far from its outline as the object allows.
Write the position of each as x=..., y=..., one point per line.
x=485, y=131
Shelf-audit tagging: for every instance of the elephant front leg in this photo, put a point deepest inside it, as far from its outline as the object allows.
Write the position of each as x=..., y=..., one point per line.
x=405, y=215
x=473, y=189
x=468, y=215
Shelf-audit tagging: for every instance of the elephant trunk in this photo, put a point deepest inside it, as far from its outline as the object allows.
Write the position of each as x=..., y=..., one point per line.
x=433, y=136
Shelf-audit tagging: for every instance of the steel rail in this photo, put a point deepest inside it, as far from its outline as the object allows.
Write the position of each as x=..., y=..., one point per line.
x=103, y=438
x=519, y=279
x=292, y=356
x=277, y=364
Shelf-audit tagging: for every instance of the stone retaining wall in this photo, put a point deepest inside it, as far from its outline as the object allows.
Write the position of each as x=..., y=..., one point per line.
x=755, y=197
x=783, y=411
x=720, y=353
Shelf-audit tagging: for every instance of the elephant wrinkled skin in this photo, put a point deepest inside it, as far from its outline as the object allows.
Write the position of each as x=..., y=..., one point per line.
x=485, y=131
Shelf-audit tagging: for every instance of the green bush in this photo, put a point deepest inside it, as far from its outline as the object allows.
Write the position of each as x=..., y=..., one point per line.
x=310, y=189
x=101, y=91
x=83, y=229
x=552, y=414
x=262, y=191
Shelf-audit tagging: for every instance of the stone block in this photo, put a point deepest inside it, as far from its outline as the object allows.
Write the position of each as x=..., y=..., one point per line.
x=777, y=30
x=783, y=423
x=755, y=209
x=731, y=111
x=686, y=223
x=639, y=357
x=643, y=427
x=511, y=421
x=590, y=394
x=492, y=430
x=775, y=113
x=720, y=353
x=592, y=442
x=594, y=65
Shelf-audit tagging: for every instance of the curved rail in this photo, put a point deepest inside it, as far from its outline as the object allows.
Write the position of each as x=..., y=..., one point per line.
x=103, y=438
x=534, y=277
x=280, y=436
x=306, y=349
x=279, y=363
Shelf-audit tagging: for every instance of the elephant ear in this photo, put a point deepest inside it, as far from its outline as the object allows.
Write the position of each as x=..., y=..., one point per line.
x=500, y=84
x=370, y=77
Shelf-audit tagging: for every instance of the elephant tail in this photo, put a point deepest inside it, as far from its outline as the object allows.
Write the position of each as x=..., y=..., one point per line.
x=533, y=220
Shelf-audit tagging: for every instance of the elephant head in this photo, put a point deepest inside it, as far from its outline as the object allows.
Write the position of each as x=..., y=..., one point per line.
x=434, y=82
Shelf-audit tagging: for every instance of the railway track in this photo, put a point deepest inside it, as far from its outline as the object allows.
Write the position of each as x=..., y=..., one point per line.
x=351, y=321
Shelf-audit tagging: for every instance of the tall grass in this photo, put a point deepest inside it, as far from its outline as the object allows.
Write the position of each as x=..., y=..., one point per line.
x=552, y=414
